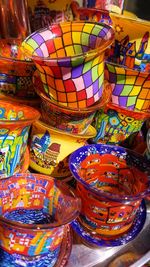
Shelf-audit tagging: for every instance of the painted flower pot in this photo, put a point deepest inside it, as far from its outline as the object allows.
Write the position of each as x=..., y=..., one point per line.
x=15, y=122
x=114, y=124
x=111, y=182
x=49, y=146
x=15, y=71
x=71, y=120
x=115, y=6
x=130, y=88
x=70, y=59
x=34, y=217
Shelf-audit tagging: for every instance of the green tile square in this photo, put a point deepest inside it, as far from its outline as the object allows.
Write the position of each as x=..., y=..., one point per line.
x=120, y=79
x=94, y=73
x=126, y=90
x=85, y=38
x=87, y=66
x=97, y=29
x=101, y=79
x=111, y=68
x=77, y=61
x=131, y=101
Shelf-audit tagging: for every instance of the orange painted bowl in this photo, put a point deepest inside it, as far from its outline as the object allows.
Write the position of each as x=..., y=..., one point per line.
x=114, y=123
x=15, y=122
x=70, y=120
x=35, y=103
x=49, y=146
x=111, y=182
x=15, y=70
x=70, y=59
x=36, y=215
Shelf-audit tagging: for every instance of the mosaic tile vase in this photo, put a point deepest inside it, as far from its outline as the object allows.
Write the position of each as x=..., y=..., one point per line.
x=35, y=212
x=114, y=124
x=15, y=122
x=70, y=59
x=111, y=182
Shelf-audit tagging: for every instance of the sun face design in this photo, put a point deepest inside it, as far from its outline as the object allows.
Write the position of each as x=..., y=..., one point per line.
x=118, y=29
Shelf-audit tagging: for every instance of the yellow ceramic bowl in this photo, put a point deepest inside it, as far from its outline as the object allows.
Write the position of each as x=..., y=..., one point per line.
x=49, y=146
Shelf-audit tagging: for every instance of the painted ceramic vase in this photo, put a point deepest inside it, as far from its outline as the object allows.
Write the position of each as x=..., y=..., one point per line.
x=70, y=59
x=34, y=216
x=49, y=146
x=71, y=120
x=114, y=124
x=90, y=14
x=111, y=182
x=44, y=13
x=15, y=122
x=115, y=6
x=15, y=71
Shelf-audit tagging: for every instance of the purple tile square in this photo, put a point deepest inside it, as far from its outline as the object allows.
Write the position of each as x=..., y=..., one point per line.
x=118, y=89
x=87, y=79
x=95, y=87
x=123, y=101
x=77, y=71
x=93, y=39
x=38, y=39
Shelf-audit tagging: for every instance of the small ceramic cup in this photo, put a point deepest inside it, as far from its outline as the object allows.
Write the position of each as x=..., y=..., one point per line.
x=35, y=212
x=111, y=182
x=114, y=124
x=15, y=122
x=49, y=146
x=70, y=59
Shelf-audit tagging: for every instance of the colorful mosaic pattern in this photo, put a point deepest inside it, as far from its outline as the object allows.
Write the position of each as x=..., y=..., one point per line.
x=111, y=182
x=41, y=211
x=114, y=124
x=130, y=88
x=15, y=122
x=70, y=60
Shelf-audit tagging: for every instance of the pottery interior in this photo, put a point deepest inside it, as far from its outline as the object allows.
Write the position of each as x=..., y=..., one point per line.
x=49, y=146
x=70, y=59
x=15, y=122
x=15, y=72
x=114, y=124
x=35, y=213
x=111, y=182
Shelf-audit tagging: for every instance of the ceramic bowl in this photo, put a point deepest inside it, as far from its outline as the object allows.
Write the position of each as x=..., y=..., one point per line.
x=111, y=182
x=114, y=124
x=71, y=120
x=15, y=71
x=70, y=59
x=35, y=213
x=35, y=103
x=15, y=122
x=49, y=146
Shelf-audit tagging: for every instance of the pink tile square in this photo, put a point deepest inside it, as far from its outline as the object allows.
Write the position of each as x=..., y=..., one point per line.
x=44, y=49
x=89, y=91
x=47, y=35
x=115, y=100
x=66, y=73
x=79, y=83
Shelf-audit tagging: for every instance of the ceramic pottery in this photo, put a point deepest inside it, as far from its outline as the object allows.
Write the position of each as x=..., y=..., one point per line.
x=35, y=103
x=130, y=88
x=15, y=72
x=111, y=182
x=15, y=122
x=110, y=5
x=114, y=124
x=91, y=14
x=71, y=120
x=49, y=146
x=44, y=13
x=70, y=59
x=35, y=213
x=132, y=43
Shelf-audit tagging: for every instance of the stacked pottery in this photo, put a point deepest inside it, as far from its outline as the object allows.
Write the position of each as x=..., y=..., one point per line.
x=127, y=71
x=70, y=81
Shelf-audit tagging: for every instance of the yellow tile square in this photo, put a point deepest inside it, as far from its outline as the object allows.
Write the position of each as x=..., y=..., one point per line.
x=69, y=51
x=130, y=80
x=135, y=91
x=76, y=37
x=139, y=104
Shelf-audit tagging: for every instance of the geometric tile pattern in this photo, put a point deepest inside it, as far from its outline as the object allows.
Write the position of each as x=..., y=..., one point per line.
x=130, y=88
x=70, y=59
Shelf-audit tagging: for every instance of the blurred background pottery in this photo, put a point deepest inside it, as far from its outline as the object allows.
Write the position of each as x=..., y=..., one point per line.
x=15, y=122
x=71, y=120
x=49, y=146
x=110, y=5
x=111, y=182
x=70, y=59
x=34, y=220
x=35, y=103
x=114, y=124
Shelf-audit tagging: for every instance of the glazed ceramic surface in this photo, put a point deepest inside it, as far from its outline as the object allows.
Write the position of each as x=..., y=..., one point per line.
x=35, y=212
x=15, y=122
x=71, y=120
x=48, y=260
x=70, y=59
x=130, y=88
x=111, y=182
x=92, y=239
x=49, y=146
x=15, y=72
x=114, y=124
x=44, y=13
